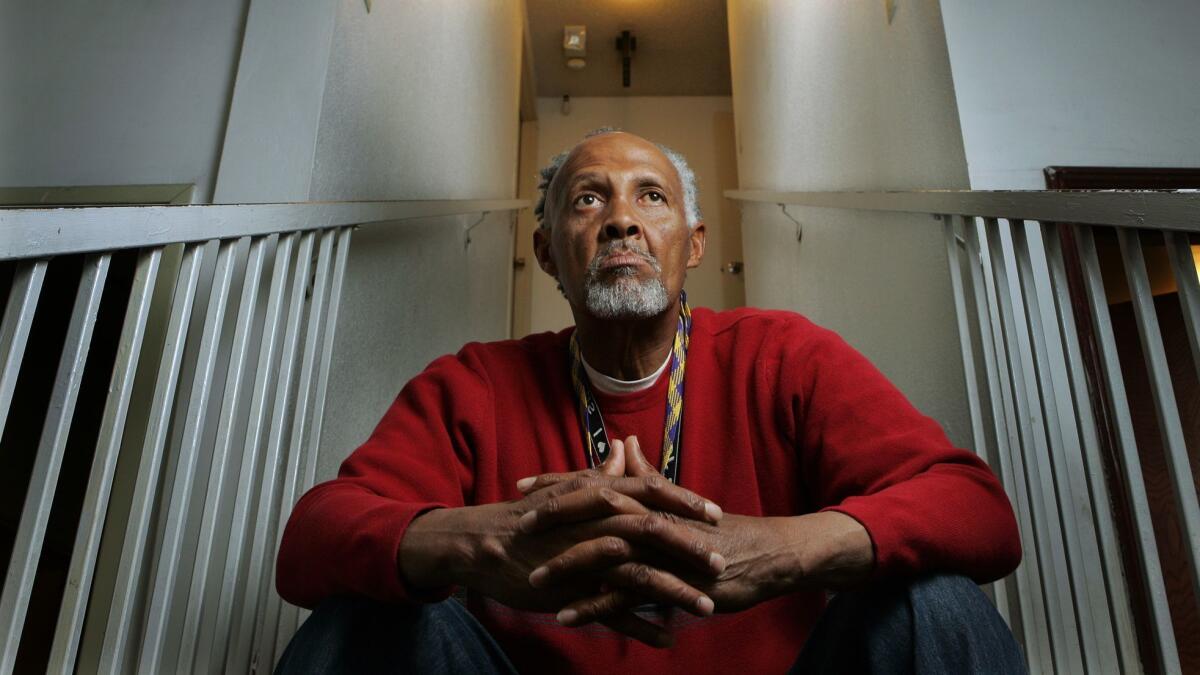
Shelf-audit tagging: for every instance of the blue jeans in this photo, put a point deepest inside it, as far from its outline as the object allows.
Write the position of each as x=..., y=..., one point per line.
x=935, y=624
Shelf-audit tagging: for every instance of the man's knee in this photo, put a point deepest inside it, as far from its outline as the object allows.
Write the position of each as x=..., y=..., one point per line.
x=935, y=623
x=956, y=627
x=358, y=635
x=333, y=637
x=350, y=633
x=953, y=598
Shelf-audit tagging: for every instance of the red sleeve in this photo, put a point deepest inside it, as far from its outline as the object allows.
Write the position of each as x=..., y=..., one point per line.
x=344, y=535
x=867, y=452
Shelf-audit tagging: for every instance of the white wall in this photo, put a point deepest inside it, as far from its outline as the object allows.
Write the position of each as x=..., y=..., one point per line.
x=115, y=93
x=830, y=96
x=699, y=127
x=1075, y=82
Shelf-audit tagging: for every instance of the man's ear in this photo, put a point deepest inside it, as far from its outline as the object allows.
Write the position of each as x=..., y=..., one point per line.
x=541, y=249
x=696, y=240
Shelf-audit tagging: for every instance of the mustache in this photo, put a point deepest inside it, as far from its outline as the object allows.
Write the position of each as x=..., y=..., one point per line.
x=621, y=248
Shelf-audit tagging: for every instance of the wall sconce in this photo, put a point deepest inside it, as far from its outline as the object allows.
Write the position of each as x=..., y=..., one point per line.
x=575, y=46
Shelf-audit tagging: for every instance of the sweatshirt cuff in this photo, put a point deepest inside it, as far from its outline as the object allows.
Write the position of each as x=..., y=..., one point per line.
x=879, y=561
x=394, y=586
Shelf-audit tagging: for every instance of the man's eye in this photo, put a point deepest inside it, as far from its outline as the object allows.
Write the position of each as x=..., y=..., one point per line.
x=656, y=196
x=586, y=200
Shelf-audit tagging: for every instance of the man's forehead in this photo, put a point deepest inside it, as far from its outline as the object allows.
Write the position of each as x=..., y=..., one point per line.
x=622, y=148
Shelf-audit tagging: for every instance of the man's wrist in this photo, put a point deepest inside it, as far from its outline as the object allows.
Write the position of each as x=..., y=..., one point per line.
x=434, y=551
x=833, y=551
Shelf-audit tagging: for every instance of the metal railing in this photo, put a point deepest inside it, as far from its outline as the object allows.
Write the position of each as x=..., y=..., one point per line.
x=1032, y=411
x=239, y=388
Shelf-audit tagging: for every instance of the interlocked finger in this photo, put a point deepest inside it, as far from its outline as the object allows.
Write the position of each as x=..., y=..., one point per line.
x=615, y=610
x=612, y=559
x=660, y=586
x=584, y=504
x=587, y=557
x=660, y=494
x=652, y=532
x=652, y=492
x=564, y=481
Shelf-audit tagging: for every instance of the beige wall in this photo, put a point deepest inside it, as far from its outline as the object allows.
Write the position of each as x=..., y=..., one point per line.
x=831, y=96
x=699, y=127
x=421, y=102
x=410, y=114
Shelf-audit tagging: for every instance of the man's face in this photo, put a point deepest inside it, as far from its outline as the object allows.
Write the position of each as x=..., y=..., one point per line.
x=619, y=242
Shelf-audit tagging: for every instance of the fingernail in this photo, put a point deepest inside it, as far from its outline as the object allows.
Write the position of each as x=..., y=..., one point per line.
x=713, y=511
x=526, y=483
x=567, y=617
x=717, y=562
x=527, y=522
x=537, y=576
x=705, y=605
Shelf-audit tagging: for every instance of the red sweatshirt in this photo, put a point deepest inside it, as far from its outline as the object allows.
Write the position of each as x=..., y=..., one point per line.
x=781, y=417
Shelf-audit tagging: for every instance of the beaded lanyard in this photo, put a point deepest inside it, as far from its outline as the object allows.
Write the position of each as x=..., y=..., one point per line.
x=596, y=444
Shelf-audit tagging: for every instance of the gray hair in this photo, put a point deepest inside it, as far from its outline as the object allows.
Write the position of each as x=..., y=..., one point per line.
x=687, y=178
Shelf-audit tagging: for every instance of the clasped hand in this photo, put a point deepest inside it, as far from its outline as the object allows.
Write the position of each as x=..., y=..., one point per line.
x=593, y=545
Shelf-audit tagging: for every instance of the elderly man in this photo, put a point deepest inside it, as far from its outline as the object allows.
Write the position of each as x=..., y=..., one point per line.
x=660, y=488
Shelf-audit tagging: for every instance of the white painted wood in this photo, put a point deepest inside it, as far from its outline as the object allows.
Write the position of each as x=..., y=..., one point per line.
x=256, y=432
x=1151, y=581
x=1036, y=471
x=14, y=328
x=1028, y=576
x=1166, y=210
x=104, y=464
x=1163, y=393
x=43, y=482
x=1110, y=546
x=119, y=626
x=26, y=233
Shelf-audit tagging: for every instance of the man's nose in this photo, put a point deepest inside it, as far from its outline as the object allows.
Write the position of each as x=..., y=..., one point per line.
x=622, y=221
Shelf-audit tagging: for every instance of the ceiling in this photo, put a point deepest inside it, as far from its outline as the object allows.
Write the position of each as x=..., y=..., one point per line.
x=682, y=47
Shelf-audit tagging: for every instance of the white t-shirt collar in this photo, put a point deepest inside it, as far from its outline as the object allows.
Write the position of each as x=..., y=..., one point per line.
x=611, y=385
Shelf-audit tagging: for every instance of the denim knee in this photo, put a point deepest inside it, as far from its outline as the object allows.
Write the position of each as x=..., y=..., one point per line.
x=359, y=635
x=957, y=629
x=933, y=624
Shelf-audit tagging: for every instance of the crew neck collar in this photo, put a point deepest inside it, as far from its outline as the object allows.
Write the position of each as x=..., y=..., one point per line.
x=615, y=387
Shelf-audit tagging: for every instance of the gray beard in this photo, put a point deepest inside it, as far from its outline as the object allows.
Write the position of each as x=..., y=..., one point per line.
x=624, y=296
